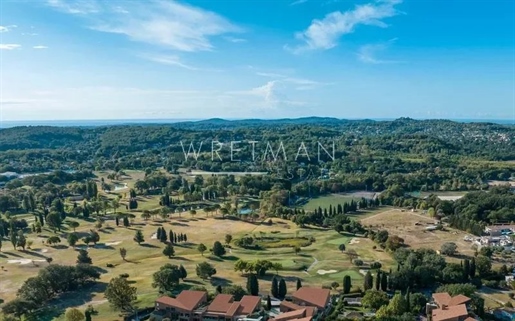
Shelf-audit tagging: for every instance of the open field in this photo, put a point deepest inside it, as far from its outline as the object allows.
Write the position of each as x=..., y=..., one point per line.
x=411, y=227
x=143, y=260
x=335, y=199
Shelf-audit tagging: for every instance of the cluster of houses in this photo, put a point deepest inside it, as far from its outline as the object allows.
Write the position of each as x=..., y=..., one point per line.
x=496, y=235
x=307, y=304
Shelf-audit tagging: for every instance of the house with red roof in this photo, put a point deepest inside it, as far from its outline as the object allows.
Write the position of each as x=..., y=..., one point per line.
x=183, y=307
x=447, y=308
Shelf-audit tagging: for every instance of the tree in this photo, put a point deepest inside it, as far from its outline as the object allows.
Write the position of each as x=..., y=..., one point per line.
x=123, y=253
x=472, y=268
x=448, y=248
x=19, y=307
x=347, y=284
x=228, y=238
x=72, y=239
x=167, y=278
x=341, y=247
x=201, y=248
x=252, y=284
x=121, y=295
x=483, y=265
x=218, y=249
x=169, y=250
x=268, y=303
x=54, y=221
x=397, y=305
x=417, y=302
x=183, y=271
x=275, y=287
x=374, y=299
x=282, y=289
x=205, y=270
x=14, y=238
x=299, y=284
x=74, y=314
x=138, y=237
x=296, y=249
x=73, y=225
x=235, y=290
x=368, y=282
x=83, y=257
x=53, y=240
x=384, y=281
x=22, y=240
x=87, y=314
x=94, y=236
x=126, y=222
x=378, y=281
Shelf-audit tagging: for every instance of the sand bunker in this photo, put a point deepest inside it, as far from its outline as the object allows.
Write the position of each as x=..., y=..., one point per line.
x=354, y=241
x=322, y=272
x=24, y=261
x=113, y=243
x=41, y=250
x=154, y=236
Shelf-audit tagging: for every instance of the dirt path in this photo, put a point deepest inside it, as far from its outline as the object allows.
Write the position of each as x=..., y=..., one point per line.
x=312, y=265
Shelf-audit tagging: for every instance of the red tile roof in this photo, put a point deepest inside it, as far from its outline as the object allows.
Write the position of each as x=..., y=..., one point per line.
x=292, y=306
x=313, y=296
x=302, y=319
x=441, y=299
x=221, y=303
x=295, y=314
x=249, y=303
x=470, y=319
x=450, y=313
x=459, y=299
x=186, y=300
x=225, y=304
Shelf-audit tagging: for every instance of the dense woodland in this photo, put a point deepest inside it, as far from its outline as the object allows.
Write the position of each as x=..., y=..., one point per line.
x=395, y=159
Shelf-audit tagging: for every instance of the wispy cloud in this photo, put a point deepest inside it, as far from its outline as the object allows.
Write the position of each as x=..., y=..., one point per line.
x=297, y=2
x=32, y=34
x=40, y=47
x=7, y=28
x=168, y=60
x=81, y=7
x=235, y=40
x=324, y=34
x=9, y=46
x=271, y=95
x=368, y=53
x=298, y=83
x=168, y=24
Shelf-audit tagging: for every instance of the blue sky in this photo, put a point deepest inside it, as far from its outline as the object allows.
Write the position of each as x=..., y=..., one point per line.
x=139, y=59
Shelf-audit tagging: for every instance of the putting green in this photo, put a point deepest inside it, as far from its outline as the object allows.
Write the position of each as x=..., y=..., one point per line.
x=340, y=240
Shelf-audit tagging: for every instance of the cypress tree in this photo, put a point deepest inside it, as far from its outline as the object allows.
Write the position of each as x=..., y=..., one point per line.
x=472, y=268
x=466, y=269
x=378, y=280
x=408, y=307
x=384, y=282
x=171, y=237
x=283, y=290
x=158, y=233
x=268, y=303
x=275, y=287
x=299, y=284
x=252, y=284
x=163, y=235
x=347, y=284
x=117, y=221
x=185, y=238
x=368, y=282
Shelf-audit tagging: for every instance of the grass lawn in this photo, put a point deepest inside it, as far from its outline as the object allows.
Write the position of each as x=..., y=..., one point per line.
x=143, y=260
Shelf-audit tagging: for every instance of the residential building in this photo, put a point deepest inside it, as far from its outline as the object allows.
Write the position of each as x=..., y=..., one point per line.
x=447, y=308
x=225, y=308
x=182, y=307
x=314, y=297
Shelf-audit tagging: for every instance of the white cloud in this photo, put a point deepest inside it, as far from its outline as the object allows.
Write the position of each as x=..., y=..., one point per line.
x=7, y=28
x=168, y=24
x=169, y=60
x=9, y=46
x=235, y=40
x=324, y=33
x=298, y=83
x=368, y=53
x=40, y=47
x=81, y=7
x=29, y=34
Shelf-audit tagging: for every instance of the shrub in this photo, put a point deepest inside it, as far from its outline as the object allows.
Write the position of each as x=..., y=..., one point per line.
x=358, y=262
x=124, y=275
x=109, y=265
